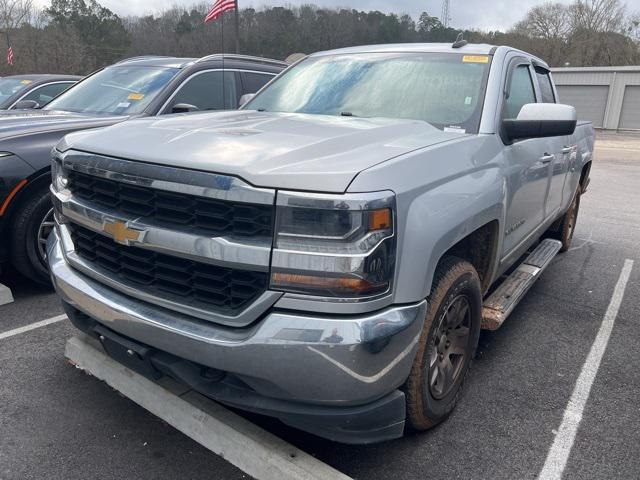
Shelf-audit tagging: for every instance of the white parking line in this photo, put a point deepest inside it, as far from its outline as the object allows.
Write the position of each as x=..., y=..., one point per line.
x=559, y=453
x=32, y=326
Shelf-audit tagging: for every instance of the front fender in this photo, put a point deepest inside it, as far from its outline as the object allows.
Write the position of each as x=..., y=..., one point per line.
x=444, y=193
x=439, y=219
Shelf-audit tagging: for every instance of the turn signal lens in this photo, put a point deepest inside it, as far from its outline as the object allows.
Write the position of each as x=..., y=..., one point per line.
x=380, y=219
x=327, y=285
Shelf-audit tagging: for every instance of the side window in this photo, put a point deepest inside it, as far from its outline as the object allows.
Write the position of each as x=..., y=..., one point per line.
x=521, y=92
x=546, y=88
x=46, y=93
x=208, y=91
x=255, y=81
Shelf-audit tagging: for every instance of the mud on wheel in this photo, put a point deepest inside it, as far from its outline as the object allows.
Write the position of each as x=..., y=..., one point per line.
x=447, y=344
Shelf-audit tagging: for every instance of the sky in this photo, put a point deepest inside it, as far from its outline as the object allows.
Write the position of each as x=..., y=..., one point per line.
x=479, y=14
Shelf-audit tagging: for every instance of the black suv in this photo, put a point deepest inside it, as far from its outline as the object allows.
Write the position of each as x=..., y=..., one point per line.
x=137, y=87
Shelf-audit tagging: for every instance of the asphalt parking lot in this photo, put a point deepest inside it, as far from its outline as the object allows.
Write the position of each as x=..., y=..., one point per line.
x=56, y=422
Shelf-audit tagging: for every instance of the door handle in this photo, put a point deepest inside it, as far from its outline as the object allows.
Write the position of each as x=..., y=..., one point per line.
x=547, y=158
x=567, y=150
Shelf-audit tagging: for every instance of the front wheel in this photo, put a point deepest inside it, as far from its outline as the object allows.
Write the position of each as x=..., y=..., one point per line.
x=32, y=225
x=568, y=223
x=447, y=345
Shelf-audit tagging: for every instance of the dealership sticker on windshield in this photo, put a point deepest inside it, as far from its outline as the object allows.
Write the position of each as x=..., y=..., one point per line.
x=454, y=129
x=123, y=105
x=475, y=59
x=136, y=96
x=26, y=82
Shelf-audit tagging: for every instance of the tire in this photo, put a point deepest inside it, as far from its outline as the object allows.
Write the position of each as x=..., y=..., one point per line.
x=567, y=226
x=456, y=285
x=32, y=222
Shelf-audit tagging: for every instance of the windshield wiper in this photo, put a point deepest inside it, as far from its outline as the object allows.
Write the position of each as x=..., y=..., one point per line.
x=346, y=114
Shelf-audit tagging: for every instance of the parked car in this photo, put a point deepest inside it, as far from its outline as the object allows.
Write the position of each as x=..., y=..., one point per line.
x=328, y=254
x=32, y=91
x=138, y=87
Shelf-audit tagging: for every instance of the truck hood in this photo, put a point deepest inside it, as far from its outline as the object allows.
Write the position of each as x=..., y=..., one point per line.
x=24, y=122
x=276, y=150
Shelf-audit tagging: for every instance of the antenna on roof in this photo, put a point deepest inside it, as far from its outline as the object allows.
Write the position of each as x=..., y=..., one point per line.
x=460, y=41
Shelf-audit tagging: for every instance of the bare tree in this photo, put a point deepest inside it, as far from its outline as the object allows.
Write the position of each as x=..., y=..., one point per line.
x=598, y=15
x=13, y=13
x=634, y=27
x=550, y=21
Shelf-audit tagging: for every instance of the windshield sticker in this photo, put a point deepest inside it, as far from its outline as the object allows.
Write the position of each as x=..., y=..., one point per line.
x=475, y=59
x=468, y=100
x=136, y=96
x=25, y=82
x=123, y=105
x=454, y=129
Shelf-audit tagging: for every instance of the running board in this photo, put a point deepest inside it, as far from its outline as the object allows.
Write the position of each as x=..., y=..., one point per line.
x=501, y=303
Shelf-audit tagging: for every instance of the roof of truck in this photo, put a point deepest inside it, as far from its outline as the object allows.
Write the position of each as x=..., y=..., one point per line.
x=471, y=48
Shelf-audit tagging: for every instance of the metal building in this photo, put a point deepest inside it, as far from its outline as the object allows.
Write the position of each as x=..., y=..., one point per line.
x=608, y=96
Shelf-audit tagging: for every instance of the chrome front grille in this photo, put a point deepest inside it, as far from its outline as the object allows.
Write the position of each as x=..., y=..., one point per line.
x=213, y=217
x=198, y=243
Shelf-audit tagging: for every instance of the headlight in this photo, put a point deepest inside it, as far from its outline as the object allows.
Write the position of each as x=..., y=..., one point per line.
x=59, y=178
x=334, y=245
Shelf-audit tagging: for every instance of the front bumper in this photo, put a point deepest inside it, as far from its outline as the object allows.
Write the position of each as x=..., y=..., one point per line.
x=315, y=373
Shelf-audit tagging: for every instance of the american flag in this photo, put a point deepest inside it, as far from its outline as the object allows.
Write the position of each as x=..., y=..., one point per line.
x=219, y=7
x=10, y=55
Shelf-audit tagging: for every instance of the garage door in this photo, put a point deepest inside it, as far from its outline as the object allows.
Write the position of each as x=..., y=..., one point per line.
x=630, y=117
x=590, y=101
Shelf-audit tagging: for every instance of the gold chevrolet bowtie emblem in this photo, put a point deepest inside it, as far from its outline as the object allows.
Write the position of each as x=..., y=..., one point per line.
x=121, y=233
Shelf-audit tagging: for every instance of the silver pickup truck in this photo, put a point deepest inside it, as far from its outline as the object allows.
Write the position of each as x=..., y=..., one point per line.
x=328, y=254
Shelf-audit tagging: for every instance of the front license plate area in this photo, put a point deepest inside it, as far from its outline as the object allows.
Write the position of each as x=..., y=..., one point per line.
x=133, y=355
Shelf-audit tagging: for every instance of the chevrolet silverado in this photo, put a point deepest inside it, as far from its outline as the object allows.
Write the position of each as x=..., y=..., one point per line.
x=328, y=254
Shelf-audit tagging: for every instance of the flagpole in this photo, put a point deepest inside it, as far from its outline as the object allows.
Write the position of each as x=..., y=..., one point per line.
x=222, y=29
x=237, y=20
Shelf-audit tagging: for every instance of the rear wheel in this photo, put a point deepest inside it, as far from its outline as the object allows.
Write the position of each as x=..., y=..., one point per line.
x=447, y=345
x=32, y=225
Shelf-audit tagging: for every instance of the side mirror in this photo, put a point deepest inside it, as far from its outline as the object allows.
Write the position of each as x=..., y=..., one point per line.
x=537, y=120
x=25, y=105
x=184, y=108
x=246, y=98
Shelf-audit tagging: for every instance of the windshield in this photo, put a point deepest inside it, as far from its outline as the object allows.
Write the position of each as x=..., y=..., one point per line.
x=115, y=90
x=11, y=86
x=445, y=90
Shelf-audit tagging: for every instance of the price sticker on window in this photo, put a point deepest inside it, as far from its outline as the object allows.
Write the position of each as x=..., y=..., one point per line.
x=475, y=59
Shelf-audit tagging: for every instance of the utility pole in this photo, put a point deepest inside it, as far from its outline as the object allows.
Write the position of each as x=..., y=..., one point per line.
x=445, y=16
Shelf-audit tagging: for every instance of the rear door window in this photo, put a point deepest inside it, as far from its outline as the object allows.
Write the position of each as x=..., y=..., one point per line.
x=253, y=82
x=546, y=87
